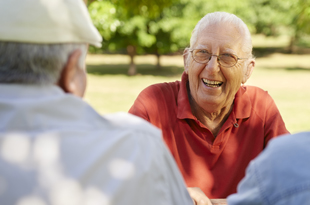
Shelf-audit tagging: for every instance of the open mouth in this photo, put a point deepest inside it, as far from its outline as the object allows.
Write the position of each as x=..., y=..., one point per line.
x=211, y=83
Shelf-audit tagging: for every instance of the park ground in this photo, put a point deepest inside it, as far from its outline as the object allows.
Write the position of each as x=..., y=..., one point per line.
x=285, y=76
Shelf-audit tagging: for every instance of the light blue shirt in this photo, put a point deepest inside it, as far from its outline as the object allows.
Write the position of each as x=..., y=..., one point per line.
x=280, y=175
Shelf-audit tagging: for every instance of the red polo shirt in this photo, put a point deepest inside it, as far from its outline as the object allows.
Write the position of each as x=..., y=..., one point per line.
x=216, y=165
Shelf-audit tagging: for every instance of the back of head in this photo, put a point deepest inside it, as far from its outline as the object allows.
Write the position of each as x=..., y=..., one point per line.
x=230, y=19
x=37, y=37
x=28, y=63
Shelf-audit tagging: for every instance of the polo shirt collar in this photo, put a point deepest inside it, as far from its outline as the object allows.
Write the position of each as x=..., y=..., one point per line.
x=242, y=104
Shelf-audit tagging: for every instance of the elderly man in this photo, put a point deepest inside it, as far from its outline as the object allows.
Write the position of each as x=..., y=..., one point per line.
x=54, y=148
x=213, y=124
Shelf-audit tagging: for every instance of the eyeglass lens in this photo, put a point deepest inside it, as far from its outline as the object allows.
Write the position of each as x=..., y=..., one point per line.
x=202, y=56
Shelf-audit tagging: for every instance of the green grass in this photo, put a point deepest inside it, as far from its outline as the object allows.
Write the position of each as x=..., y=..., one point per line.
x=290, y=88
x=111, y=90
x=286, y=77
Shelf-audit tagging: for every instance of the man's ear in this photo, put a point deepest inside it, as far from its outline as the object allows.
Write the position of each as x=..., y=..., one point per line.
x=67, y=77
x=248, y=71
x=185, y=59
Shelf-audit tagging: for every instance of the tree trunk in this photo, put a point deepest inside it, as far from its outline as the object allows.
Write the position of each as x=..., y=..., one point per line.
x=294, y=40
x=131, y=50
x=158, y=66
x=291, y=48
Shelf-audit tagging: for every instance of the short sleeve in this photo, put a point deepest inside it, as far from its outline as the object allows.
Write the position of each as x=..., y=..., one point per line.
x=151, y=104
x=139, y=107
x=274, y=124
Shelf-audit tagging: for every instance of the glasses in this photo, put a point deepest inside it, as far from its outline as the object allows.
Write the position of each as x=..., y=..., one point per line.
x=226, y=60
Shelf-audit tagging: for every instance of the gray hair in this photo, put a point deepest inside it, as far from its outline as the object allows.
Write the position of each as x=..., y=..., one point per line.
x=35, y=63
x=219, y=17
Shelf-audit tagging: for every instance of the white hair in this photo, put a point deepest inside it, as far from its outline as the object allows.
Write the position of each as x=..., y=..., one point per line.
x=36, y=63
x=220, y=17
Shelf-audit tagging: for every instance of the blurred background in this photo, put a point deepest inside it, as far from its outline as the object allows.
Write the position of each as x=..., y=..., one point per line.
x=143, y=41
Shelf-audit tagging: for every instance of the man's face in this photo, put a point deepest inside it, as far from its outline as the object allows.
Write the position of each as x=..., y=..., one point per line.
x=216, y=39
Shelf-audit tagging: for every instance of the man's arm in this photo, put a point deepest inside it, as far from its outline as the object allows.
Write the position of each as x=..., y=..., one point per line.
x=274, y=124
x=143, y=102
x=198, y=197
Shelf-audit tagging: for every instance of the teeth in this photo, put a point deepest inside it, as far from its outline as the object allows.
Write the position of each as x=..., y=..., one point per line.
x=212, y=83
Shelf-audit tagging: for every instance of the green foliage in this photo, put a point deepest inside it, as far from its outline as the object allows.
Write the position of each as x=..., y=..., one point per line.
x=164, y=26
x=270, y=15
x=137, y=27
x=149, y=26
x=145, y=8
x=104, y=18
x=103, y=14
x=302, y=17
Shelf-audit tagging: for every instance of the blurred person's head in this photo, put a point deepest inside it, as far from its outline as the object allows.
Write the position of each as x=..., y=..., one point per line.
x=45, y=42
x=218, y=61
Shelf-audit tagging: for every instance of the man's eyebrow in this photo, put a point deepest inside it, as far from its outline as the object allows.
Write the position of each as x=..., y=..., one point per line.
x=228, y=50
x=199, y=46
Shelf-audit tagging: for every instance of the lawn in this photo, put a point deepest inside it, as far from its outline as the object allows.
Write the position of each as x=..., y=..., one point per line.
x=286, y=77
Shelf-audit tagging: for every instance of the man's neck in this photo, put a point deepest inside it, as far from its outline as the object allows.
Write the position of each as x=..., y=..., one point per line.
x=214, y=118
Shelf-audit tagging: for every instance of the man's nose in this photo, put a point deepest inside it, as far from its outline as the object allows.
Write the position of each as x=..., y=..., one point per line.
x=213, y=65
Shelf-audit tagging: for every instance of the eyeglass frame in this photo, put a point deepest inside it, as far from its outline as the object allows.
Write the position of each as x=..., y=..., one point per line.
x=217, y=57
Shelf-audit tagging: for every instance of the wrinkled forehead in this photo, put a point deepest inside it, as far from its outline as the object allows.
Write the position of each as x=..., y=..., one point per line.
x=226, y=25
x=223, y=34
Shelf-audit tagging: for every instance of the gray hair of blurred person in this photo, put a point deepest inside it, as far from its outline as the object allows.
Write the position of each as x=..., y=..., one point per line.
x=36, y=63
x=220, y=17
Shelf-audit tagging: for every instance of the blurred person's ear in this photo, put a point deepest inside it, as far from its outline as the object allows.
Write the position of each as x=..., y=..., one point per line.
x=73, y=78
x=248, y=71
x=185, y=59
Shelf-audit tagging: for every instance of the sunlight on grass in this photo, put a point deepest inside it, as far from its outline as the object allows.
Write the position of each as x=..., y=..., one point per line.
x=290, y=88
x=113, y=93
x=285, y=77
x=260, y=40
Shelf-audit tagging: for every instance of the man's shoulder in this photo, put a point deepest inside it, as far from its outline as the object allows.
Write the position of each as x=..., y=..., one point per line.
x=255, y=91
x=163, y=88
x=286, y=150
x=298, y=143
x=260, y=99
x=132, y=123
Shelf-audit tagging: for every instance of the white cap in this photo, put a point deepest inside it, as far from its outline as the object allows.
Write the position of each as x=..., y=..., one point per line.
x=47, y=22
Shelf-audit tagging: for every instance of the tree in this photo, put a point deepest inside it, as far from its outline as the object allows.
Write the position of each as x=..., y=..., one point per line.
x=300, y=22
x=274, y=16
x=164, y=26
x=126, y=24
x=171, y=30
